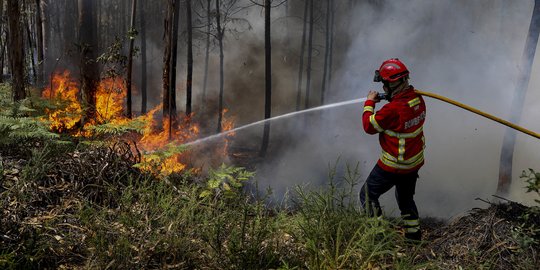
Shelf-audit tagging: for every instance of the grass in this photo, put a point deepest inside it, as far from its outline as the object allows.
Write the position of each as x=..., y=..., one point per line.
x=86, y=207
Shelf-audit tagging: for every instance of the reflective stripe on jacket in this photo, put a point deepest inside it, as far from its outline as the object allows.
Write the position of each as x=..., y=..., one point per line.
x=400, y=127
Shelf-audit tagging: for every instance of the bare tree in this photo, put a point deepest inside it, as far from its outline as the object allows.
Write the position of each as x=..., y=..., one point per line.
x=310, y=53
x=507, y=152
x=331, y=54
x=267, y=76
x=189, y=78
x=2, y=41
x=39, y=43
x=131, y=35
x=169, y=63
x=326, y=52
x=142, y=19
x=302, y=48
x=16, y=50
x=88, y=49
x=219, y=36
x=207, y=53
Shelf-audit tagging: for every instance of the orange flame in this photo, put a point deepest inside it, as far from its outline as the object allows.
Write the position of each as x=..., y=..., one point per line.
x=110, y=96
x=64, y=91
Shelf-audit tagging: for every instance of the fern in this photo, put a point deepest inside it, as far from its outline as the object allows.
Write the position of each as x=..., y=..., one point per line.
x=13, y=129
x=155, y=162
x=119, y=128
x=226, y=180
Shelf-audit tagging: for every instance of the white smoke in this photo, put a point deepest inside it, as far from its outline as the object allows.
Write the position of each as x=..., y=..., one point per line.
x=466, y=50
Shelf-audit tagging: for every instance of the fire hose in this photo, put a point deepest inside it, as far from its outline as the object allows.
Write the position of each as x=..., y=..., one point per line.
x=474, y=110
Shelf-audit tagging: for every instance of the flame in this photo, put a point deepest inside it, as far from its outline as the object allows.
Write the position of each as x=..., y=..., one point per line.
x=227, y=124
x=110, y=97
x=157, y=135
x=64, y=93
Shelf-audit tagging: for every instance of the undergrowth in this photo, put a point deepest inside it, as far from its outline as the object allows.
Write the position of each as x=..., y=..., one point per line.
x=65, y=208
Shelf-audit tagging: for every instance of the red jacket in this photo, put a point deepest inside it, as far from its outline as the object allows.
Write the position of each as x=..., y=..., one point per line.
x=400, y=127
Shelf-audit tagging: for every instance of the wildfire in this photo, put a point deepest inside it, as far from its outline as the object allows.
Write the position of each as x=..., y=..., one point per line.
x=159, y=141
x=110, y=97
x=68, y=111
x=228, y=124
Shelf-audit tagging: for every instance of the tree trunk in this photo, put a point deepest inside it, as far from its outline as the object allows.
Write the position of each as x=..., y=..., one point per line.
x=220, y=34
x=301, y=66
x=310, y=53
x=16, y=50
x=167, y=58
x=268, y=77
x=331, y=55
x=89, y=66
x=131, y=34
x=143, y=58
x=206, y=54
x=30, y=42
x=326, y=52
x=39, y=44
x=2, y=41
x=189, y=78
x=507, y=152
x=172, y=73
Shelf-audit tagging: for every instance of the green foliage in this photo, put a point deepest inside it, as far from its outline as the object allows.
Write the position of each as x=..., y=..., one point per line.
x=113, y=60
x=16, y=120
x=154, y=162
x=119, y=128
x=338, y=235
x=226, y=180
x=532, y=179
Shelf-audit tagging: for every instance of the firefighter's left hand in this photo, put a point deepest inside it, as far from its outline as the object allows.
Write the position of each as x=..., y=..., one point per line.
x=372, y=95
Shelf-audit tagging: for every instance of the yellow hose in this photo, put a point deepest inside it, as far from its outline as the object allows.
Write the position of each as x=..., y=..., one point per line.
x=471, y=109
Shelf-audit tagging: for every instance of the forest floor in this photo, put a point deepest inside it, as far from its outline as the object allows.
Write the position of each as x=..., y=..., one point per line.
x=66, y=206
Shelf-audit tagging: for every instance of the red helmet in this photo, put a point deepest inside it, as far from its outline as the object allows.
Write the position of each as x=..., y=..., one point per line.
x=391, y=70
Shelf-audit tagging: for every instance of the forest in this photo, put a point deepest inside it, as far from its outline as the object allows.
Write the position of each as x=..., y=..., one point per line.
x=227, y=134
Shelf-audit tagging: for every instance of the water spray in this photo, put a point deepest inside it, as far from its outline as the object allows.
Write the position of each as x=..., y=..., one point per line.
x=380, y=96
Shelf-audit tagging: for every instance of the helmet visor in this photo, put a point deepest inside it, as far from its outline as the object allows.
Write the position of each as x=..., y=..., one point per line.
x=377, y=77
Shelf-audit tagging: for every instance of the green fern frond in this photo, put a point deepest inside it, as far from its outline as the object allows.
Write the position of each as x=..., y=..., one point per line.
x=118, y=129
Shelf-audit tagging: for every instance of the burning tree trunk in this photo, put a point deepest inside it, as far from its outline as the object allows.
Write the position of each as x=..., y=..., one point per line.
x=189, y=78
x=220, y=33
x=169, y=63
x=131, y=33
x=507, y=152
x=167, y=58
x=172, y=73
x=207, y=53
x=39, y=44
x=16, y=50
x=268, y=77
x=326, y=51
x=89, y=66
x=301, y=66
x=310, y=53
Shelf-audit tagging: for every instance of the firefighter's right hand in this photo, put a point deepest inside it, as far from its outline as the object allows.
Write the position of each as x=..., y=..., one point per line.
x=372, y=95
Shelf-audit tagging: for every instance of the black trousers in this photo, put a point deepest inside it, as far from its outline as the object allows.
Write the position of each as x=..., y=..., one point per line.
x=379, y=182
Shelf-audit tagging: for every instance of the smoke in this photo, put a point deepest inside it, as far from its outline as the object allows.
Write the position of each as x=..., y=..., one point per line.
x=468, y=51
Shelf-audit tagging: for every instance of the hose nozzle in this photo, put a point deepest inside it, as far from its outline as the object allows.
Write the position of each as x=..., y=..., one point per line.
x=382, y=96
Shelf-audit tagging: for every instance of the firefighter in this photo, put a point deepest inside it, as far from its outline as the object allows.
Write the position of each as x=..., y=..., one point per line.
x=399, y=124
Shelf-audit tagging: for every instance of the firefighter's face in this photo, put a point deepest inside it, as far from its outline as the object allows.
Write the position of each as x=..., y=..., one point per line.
x=389, y=86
